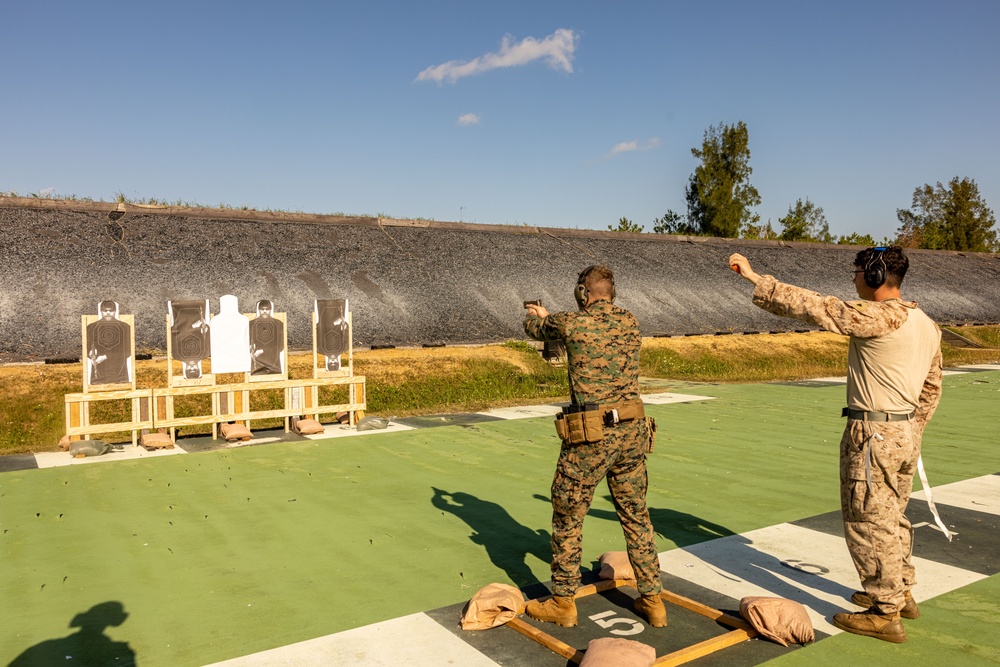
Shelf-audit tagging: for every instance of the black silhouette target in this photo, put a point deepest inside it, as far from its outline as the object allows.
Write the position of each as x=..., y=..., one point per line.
x=267, y=342
x=191, y=346
x=109, y=348
x=189, y=335
x=332, y=337
x=110, y=336
x=265, y=333
x=334, y=342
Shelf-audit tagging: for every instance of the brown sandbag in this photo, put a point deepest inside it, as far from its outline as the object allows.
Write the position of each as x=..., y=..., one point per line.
x=235, y=431
x=778, y=619
x=492, y=605
x=618, y=652
x=616, y=565
x=155, y=440
x=307, y=426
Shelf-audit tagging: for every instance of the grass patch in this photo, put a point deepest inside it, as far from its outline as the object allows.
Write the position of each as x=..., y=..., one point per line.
x=759, y=358
x=400, y=383
x=985, y=336
x=404, y=382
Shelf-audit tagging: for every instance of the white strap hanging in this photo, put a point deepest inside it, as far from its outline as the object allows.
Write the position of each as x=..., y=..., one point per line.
x=930, y=499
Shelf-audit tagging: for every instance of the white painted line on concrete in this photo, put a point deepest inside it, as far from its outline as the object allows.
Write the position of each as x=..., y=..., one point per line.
x=667, y=397
x=981, y=494
x=524, y=412
x=527, y=412
x=253, y=441
x=750, y=564
x=344, y=431
x=415, y=640
x=819, y=573
x=129, y=453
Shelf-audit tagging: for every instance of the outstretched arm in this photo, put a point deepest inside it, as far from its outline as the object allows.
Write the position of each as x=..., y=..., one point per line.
x=862, y=319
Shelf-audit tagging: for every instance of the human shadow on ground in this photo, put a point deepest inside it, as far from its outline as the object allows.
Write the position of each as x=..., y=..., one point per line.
x=507, y=542
x=89, y=646
x=737, y=559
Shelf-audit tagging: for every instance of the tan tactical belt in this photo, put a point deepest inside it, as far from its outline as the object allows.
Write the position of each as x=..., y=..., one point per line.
x=578, y=424
x=851, y=413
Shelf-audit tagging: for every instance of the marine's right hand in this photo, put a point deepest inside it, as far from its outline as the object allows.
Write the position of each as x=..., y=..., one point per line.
x=741, y=265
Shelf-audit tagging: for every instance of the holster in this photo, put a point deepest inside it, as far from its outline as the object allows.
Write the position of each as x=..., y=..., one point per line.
x=651, y=426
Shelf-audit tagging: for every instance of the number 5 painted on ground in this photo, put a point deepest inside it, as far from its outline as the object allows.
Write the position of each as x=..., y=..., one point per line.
x=605, y=622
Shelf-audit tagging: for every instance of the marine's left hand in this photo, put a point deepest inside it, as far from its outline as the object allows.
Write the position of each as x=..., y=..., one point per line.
x=538, y=311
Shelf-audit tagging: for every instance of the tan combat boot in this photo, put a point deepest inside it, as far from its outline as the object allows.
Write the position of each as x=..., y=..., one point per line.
x=909, y=610
x=886, y=627
x=651, y=608
x=557, y=609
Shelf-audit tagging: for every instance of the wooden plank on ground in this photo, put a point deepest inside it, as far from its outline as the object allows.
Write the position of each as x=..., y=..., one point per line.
x=546, y=640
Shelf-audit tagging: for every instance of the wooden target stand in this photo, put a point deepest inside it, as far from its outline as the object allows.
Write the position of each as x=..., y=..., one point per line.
x=154, y=408
x=231, y=402
x=77, y=406
x=741, y=630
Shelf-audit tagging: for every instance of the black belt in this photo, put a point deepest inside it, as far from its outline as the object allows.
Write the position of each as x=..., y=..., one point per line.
x=613, y=413
x=850, y=413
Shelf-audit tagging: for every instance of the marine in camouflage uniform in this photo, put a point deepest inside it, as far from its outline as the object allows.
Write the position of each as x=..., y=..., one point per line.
x=602, y=346
x=893, y=388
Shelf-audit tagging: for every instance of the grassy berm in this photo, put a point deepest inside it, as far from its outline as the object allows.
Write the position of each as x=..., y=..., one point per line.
x=403, y=382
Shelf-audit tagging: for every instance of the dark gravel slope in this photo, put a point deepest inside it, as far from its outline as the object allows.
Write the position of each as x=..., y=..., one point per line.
x=409, y=282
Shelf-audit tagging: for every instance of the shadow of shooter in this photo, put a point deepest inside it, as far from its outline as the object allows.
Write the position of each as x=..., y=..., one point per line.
x=90, y=646
x=507, y=542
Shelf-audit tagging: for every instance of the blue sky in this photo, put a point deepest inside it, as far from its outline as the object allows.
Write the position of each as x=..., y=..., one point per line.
x=559, y=114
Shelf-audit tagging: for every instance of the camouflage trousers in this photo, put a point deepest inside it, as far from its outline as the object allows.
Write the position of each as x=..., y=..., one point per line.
x=621, y=458
x=877, y=463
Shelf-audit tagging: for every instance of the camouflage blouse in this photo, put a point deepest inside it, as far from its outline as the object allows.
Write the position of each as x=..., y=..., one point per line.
x=602, y=346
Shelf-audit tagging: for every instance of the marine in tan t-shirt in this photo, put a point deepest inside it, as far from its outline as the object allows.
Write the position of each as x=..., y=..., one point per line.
x=893, y=388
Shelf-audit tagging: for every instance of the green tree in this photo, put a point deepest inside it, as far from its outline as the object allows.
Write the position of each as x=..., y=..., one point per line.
x=673, y=223
x=757, y=231
x=626, y=225
x=805, y=222
x=857, y=239
x=952, y=218
x=719, y=194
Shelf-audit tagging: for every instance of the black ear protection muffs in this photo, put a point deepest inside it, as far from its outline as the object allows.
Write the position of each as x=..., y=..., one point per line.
x=875, y=269
x=581, y=293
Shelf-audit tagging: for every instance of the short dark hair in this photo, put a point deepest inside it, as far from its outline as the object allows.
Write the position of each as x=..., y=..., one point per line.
x=599, y=280
x=896, y=262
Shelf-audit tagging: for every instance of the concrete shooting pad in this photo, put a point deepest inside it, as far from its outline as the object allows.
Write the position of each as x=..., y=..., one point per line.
x=363, y=550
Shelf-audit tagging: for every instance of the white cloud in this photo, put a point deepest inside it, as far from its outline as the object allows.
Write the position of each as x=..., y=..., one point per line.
x=46, y=192
x=630, y=146
x=556, y=49
x=468, y=119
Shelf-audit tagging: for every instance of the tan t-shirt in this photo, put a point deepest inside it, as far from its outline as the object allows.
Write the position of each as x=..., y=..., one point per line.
x=886, y=373
x=894, y=359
